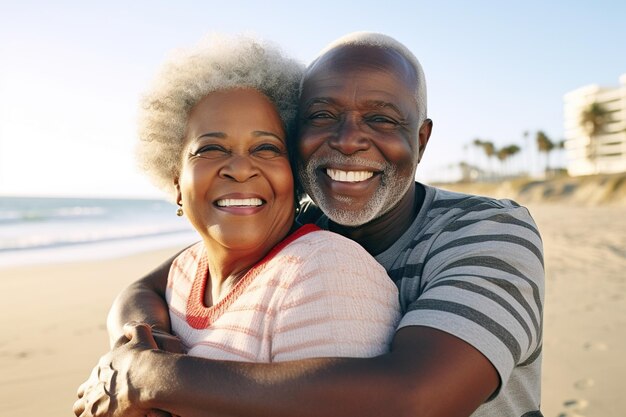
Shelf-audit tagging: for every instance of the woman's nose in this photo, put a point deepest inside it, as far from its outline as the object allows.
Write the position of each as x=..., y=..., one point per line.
x=239, y=168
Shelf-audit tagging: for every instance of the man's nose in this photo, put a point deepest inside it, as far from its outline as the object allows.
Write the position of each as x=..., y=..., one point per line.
x=239, y=168
x=351, y=136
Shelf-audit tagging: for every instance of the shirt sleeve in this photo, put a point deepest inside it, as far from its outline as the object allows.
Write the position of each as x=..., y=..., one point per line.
x=484, y=276
x=341, y=303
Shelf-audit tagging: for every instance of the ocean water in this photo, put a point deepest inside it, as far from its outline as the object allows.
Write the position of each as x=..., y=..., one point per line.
x=43, y=230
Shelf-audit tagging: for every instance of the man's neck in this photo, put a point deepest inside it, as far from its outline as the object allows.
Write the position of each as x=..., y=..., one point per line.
x=379, y=234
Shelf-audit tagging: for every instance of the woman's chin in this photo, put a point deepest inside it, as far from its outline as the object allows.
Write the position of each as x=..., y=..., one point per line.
x=244, y=239
x=257, y=236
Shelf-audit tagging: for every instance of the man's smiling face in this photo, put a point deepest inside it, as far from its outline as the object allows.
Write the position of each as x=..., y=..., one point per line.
x=358, y=133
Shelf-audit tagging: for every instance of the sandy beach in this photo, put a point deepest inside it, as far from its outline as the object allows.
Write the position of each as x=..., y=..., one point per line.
x=53, y=319
x=53, y=329
x=585, y=314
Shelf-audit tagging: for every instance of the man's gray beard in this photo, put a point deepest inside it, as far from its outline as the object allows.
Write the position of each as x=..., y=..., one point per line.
x=386, y=196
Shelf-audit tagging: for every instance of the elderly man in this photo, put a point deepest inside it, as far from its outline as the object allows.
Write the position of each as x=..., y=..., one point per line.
x=469, y=270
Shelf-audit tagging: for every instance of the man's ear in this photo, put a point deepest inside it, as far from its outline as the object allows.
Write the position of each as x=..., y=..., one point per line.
x=423, y=136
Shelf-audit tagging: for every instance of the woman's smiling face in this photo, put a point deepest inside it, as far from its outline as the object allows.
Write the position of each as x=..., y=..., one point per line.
x=236, y=184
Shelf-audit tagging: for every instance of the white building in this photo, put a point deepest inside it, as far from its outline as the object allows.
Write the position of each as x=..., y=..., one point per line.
x=605, y=152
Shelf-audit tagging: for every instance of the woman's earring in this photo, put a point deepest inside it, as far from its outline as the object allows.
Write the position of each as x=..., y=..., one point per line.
x=179, y=212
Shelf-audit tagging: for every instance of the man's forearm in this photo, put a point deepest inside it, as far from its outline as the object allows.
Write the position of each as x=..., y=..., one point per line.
x=193, y=387
x=428, y=374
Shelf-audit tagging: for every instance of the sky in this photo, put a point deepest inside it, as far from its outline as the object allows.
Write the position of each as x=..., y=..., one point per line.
x=71, y=74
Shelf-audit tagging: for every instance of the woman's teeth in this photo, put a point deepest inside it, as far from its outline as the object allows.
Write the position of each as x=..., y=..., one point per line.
x=239, y=202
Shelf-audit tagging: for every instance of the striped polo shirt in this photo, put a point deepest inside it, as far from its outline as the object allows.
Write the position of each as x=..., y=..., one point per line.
x=472, y=266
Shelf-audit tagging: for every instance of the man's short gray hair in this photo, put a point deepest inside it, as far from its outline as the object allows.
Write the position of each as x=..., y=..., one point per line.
x=386, y=42
x=188, y=75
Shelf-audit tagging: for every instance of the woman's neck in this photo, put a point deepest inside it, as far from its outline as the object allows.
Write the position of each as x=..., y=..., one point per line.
x=226, y=267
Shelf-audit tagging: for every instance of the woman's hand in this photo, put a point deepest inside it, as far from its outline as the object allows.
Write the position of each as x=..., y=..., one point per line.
x=112, y=389
x=167, y=341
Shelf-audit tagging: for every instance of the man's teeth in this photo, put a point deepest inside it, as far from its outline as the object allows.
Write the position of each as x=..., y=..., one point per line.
x=239, y=202
x=348, y=176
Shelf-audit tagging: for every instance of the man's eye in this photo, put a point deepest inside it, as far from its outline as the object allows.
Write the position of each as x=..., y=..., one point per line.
x=267, y=151
x=210, y=152
x=381, y=119
x=321, y=115
x=382, y=122
x=321, y=118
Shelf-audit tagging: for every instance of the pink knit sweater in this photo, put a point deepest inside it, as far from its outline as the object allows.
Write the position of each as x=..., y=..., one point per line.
x=316, y=294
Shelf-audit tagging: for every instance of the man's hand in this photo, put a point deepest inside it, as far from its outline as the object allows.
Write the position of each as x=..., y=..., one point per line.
x=110, y=390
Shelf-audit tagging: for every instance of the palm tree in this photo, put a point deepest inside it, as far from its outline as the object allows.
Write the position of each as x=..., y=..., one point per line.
x=478, y=143
x=468, y=172
x=506, y=152
x=529, y=154
x=593, y=120
x=545, y=145
x=502, y=156
x=512, y=150
x=560, y=148
x=490, y=150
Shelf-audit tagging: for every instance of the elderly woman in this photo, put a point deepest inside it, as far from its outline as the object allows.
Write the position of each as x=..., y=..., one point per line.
x=215, y=133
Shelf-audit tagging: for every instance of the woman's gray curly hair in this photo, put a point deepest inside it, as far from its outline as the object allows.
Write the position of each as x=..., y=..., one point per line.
x=216, y=63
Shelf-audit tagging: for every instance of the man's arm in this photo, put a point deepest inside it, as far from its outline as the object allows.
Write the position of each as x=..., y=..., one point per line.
x=143, y=301
x=427, y=373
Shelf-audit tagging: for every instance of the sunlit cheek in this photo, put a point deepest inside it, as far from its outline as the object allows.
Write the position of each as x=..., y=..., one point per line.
x=193, y=178
x=286, y=184
x=401, y=149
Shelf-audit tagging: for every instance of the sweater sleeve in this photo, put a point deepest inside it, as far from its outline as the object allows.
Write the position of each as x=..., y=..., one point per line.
x=340, y=303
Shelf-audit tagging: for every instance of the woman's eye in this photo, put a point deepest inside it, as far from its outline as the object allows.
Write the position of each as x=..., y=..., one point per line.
x=210, y=152
x=267, y=151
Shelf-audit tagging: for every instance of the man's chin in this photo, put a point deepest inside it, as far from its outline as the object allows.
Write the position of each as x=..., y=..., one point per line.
x=347, y=222
x=346, y=214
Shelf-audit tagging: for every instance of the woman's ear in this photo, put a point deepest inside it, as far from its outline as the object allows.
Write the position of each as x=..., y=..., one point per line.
x=179, y=197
